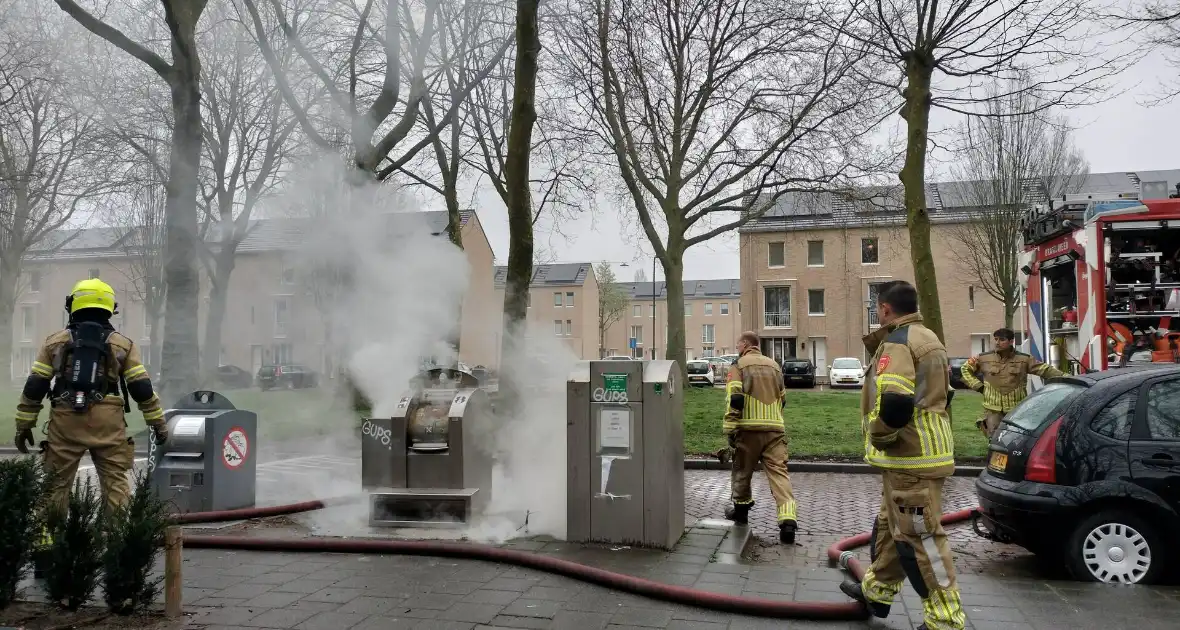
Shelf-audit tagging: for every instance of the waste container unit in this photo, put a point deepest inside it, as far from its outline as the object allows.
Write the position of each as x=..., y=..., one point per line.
x=430, y=465
x=625, y=449
x=209, y=461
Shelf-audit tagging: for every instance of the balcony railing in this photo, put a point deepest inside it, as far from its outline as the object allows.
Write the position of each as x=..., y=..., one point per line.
x=873, y=320
x=777, y=320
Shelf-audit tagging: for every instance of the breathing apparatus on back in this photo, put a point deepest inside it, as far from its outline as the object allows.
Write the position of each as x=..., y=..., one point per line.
x=90, y=304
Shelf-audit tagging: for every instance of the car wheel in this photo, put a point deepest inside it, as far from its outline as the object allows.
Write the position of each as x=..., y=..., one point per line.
x=1116, y=547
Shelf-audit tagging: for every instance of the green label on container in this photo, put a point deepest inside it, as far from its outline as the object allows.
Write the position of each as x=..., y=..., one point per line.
x=614, y=382
x=659, y=388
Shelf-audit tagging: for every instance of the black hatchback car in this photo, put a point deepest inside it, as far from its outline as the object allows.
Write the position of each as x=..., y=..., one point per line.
x=798, y=372
x=956, y=367
x=286, y=376
x=1086, y=472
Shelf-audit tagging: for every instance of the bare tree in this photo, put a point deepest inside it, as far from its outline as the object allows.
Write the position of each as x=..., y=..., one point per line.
x=50, y=165
x=612, y=303
x=961, y=43
x=248, y=135
x=1159, y=23
x=181, y=347
x=714, y=110
x=406, y=32
x=140, y=225
x=1011, y=157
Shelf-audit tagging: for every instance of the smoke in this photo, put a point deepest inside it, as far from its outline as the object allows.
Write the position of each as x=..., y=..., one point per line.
x=388, y=293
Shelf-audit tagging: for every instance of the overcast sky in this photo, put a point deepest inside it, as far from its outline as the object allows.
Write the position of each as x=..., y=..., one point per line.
x=1118, y=135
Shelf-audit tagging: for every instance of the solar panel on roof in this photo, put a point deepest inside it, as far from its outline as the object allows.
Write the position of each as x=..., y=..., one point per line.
x=563, y=273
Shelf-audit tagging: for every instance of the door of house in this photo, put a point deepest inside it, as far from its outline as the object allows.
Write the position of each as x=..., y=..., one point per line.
x=819, y=355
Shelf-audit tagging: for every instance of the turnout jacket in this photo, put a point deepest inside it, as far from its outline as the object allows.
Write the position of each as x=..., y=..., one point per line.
x=1005, y=377
x=904, y=415
x=123, y=361
x=754, y=393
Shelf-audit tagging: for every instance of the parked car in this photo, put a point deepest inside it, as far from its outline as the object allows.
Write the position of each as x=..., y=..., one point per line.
x=846, y=372
x=619, y=357
x=729, y=358
x=287, y=376
x=1086, y=472
x=798, y=372
x=700, y=373
x=956, y=365
x=234, y=377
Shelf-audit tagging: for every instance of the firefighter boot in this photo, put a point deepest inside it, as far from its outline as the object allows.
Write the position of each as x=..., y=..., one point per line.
x=739, y=513
x=786, y=532
x=853, y=589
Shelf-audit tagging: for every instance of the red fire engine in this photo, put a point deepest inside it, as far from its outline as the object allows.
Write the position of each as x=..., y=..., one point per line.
x=1103, y=280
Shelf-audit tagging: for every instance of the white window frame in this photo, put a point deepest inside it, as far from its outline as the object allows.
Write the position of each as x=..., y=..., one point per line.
x=725, y=308
x=637, y=310
x=821, y=253
x=287, y=275
x=688, y=309
x=281, y=329
x=769, y=262
x=35, y=281
x=823, y=303
x=708, y=334
x=94, y=273
x=637, y=335
x=558, y=329
x=877, y=242
x=971, y=297
x=569, y=328
x=569, y=299
x=782, y=320
x=28, y=323
x=557, y=299
x=708, y=309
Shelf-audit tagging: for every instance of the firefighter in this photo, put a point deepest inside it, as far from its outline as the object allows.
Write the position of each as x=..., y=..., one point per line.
x=754, y=426
x=88, y=363
x=1005, y=378
x=907, y=435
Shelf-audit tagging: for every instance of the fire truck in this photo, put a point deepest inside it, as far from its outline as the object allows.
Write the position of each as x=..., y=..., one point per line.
x=1103, y=280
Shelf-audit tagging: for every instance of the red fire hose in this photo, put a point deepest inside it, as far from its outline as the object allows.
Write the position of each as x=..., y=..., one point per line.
x=838, y=554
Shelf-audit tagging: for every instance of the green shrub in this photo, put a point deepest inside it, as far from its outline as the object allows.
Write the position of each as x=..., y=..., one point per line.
x=134, y=539
x=73, y=561
x=21, y=488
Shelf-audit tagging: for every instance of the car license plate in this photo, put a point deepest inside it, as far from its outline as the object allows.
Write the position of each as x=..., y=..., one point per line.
x=796, y=378
x=847, y=380
x=999, y=461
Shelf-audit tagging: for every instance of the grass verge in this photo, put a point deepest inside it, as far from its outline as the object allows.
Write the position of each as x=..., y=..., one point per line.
x=820, y=424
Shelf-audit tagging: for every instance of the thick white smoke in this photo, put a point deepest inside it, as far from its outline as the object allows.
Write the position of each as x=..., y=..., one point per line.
x=389, y=293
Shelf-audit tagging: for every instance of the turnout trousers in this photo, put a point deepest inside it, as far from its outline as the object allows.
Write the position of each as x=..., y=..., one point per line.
x=771, y=448
x=909, y=542
x=102, y=431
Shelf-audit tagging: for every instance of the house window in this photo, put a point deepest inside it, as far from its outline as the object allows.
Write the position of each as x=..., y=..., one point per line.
x=147, y=325
x=94, y=274
x=971, y=298
x=282, y=353
x=775, y=254
x=777, y=307
x=569, y=299
x=688, y=309
x=636, y=342
x=637, y=311
x=725, y=308
x=34, y=281
x=557, y=327
x=869, y=251
x=874, y=292
x=282, y=308
x=708, y=308
x=557, y=299
x=287, y=277
x=23, y=362
x=815, y=253
x=707, y=336
x=28, y=327
x=569, y=328
x=815, y=301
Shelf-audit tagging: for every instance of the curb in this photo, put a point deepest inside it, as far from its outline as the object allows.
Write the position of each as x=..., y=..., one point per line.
x=844, y=468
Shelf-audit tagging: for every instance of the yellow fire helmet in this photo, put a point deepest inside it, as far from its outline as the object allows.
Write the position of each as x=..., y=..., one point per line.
x=92, y=293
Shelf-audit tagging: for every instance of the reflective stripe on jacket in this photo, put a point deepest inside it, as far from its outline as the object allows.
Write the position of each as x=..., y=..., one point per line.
x=759, y=380
x=1005, y=377
x=910, y=366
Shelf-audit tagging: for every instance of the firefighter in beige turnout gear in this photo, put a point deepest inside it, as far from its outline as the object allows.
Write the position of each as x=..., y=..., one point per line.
x=1005, y=378
x=92, y=420
x=907, y=435
x=754, y=425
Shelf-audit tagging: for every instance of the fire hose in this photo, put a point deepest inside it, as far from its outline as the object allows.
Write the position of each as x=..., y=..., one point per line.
x=840, y=554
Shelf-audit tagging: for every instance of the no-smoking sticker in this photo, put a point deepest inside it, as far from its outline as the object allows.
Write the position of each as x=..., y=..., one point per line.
x=235, y=448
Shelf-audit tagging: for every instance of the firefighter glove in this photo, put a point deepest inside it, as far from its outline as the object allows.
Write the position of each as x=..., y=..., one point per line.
x=24, y=439
x=160, y=433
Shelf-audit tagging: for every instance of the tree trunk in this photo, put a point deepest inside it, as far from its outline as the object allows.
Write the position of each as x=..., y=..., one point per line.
x=520, y=207
x=9, y=276
x=455, y=234
x=180, y=360
x=223, y=266
x=674, y=278
x=916, y=111
x=154, y=340
x=1009, y=313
